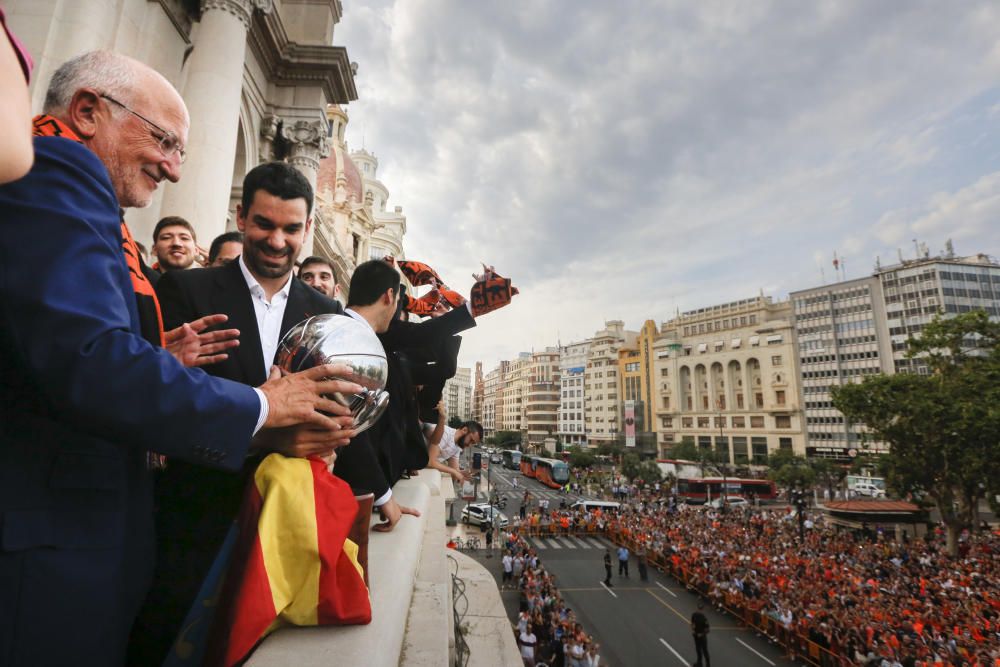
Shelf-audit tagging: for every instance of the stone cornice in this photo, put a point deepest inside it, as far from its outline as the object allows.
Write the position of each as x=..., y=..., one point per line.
x=289, y=63
x=241, y=9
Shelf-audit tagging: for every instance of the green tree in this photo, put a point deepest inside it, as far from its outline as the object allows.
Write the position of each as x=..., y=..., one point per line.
x=611, y=449
x=579, y=458
x=630, y=465
x=507, y=439
x=685, y=450
x=790, y=470
x=634, y=468
x=455, y=422
x=943, y=429
x=828, y=474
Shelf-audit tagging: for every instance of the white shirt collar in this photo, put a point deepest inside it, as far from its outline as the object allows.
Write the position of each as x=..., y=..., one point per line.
x=354, y=314
x=255, y=287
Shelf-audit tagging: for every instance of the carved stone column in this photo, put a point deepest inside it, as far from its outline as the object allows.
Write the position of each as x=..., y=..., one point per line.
x=307, y=144
x=213, y=93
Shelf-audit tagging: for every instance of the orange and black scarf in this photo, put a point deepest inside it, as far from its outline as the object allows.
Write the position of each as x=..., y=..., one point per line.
x=150, y=317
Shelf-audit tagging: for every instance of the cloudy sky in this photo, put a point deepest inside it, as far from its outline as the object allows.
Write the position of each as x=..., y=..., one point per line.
x=622, y=160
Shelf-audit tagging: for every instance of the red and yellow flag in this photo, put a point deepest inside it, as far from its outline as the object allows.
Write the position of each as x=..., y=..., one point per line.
x=292, y=563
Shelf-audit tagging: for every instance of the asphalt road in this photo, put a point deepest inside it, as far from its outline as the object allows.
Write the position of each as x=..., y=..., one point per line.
x=637, y=623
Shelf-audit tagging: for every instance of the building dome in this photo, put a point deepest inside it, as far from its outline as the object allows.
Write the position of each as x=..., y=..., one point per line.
x=338, y=164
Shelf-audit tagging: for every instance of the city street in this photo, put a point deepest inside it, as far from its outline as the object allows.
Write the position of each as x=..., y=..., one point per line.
x=636, y=623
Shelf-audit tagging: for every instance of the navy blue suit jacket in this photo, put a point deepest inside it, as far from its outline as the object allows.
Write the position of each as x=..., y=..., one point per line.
x=82, y=398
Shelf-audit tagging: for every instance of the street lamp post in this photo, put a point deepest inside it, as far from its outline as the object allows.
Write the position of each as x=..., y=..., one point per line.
x=725, y=480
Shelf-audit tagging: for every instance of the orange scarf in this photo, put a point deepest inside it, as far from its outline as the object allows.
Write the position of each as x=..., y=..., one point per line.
x=146, y=301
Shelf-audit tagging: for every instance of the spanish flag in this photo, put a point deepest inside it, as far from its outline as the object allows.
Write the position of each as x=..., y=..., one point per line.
x=292, y=563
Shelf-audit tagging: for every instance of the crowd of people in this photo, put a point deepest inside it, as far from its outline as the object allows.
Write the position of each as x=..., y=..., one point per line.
x=863, y=598
x=140, y=396
x=547, y=630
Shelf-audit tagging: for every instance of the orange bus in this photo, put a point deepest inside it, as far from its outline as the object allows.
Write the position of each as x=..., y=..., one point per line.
x=551, y=472
x=528, y=466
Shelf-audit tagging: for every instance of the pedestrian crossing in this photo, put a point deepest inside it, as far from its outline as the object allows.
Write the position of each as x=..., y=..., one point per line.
x=566, y=542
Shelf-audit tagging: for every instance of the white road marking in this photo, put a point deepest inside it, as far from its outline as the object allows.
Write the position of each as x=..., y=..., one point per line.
x=596, y=542
x=612, y=593
x=534, y=543
x=581, y=541
x=553, y=543
x=683, y=661
x=752, y=649
x=666, y=589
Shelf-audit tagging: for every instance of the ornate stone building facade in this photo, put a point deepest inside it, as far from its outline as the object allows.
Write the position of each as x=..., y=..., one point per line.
x=349, y=227
x=727, y=379
x=257, y=77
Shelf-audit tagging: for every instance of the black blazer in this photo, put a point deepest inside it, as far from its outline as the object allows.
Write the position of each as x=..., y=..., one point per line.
x=397, y=436
x=187, y=295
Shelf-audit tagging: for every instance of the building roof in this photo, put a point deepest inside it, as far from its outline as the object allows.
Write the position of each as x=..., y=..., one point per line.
x=871, y=506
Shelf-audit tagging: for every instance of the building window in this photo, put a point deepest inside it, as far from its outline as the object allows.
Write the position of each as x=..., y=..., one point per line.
x=666, y=422
x=757, y=422
x=782, y=421
x=779, y=397
x=785, y=443
x=740, y=450
x=758, y=399
x=702, y=422
x=687, y=422
x=776, y=360
x=739, y=401
x=739, y=422
x=759, y=450
x=705, y=442
x=664, y=372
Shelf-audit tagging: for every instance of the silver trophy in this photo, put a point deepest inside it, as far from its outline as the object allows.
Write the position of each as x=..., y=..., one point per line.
x=338, y=339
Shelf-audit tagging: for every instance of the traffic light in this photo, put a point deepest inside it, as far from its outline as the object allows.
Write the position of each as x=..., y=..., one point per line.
x=477, y=461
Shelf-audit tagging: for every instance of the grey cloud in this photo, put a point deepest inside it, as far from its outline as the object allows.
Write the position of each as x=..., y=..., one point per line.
x=687, y=149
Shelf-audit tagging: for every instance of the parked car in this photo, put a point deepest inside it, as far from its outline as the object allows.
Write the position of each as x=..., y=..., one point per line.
x=730, y=501
x=481, y=514
x=869, y=490
x=496, y=458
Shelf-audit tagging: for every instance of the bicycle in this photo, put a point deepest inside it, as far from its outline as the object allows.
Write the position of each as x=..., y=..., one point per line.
x=472, y=543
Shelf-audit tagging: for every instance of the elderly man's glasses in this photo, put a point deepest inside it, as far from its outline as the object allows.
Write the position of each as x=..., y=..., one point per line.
x=168, y=141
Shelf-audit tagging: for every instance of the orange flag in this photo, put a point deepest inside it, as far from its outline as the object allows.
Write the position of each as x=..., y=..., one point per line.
x=292, y=563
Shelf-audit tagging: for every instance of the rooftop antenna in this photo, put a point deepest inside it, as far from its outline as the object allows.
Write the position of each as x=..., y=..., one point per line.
x=878, y=264
x=899, y=251
x=949, y=249
x=822, y=274
x=916, y=246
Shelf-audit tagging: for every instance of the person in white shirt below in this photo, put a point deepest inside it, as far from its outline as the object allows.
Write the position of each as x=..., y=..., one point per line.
x=527, y=640
x=446, y=444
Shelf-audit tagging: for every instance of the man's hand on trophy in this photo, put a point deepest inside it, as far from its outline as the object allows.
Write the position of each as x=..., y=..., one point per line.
x=304, y=440
x=300, y=398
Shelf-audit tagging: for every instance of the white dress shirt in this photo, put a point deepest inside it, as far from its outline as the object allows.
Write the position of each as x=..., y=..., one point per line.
x=268, y=313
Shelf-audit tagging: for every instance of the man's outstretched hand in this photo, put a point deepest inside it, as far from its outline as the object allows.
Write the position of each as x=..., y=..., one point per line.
x=391, y=512
x=191, y=346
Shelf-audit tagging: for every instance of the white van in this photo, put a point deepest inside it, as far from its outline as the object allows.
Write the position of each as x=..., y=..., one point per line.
x=868, y=489
x=591, y=505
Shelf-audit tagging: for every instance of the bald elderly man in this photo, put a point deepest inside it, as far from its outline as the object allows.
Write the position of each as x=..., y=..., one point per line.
x=94, y=393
